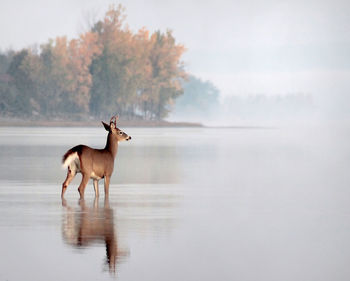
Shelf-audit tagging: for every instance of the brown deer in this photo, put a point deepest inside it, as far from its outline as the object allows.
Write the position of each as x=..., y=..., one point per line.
x=94, y=163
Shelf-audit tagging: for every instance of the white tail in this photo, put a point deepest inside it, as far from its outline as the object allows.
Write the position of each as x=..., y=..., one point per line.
x=93, y=163
x=71, y=159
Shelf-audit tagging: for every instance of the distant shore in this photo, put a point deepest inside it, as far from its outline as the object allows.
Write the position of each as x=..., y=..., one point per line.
x=5, y=122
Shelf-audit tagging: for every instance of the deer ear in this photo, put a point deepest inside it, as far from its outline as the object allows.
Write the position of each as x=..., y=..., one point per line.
x=107, y=127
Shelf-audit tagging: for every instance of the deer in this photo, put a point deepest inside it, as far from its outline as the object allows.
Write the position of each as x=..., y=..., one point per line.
x=94, y=163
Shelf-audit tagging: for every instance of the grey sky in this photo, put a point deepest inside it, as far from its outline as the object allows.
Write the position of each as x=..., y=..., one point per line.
x=243, y=47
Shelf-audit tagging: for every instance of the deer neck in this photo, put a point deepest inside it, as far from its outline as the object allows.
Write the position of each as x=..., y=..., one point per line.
x=112, y=145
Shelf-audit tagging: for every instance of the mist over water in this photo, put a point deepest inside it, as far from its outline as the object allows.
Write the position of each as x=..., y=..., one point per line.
x=260, y=192
x=284, y=110
x=185, y=204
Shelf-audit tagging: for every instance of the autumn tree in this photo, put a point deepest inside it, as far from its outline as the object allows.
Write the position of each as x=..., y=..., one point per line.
x=22, y=87
x=81, y=52
x=167, y=72
x=8, y=91
x=61, y=74
x=135, y=72
x=106, y=70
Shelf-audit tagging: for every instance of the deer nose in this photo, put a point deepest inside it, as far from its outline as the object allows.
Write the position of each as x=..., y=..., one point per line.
x=129, y=138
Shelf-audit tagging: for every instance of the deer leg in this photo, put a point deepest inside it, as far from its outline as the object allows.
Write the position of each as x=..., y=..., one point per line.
x=96, y=188
x=69, y=178
x=107, y=178
x=95, y=204
x=106, y=203
x=82, y=185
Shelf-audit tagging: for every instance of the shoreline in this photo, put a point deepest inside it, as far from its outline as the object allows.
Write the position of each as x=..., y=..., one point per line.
x=65, y=123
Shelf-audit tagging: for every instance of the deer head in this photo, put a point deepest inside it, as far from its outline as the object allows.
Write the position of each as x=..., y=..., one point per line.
x=116, y=132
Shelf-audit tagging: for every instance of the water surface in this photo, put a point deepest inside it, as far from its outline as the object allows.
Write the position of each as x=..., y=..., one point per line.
x=185, y=204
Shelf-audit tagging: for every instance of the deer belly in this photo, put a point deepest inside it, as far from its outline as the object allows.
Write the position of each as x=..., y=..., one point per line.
x=94, y=176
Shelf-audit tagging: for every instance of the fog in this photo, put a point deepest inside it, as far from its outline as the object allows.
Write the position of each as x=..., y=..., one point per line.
x=265, y=198
x=244, y=48
x=274, y=110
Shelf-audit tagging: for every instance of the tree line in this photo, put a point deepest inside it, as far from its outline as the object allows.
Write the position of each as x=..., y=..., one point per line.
x=108, y=69
x=199, y=102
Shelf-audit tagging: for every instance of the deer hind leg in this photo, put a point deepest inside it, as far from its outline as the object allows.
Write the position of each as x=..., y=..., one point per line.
x=70, y=175
x=83, y=184
x=96, y=188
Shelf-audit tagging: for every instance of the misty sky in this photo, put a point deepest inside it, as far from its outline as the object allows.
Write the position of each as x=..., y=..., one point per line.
x=243, y=47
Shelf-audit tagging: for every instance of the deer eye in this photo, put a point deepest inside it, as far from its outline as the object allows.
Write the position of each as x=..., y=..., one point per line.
x=120, y=133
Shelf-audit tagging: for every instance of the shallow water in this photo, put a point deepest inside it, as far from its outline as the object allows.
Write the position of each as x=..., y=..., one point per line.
x=185, y=204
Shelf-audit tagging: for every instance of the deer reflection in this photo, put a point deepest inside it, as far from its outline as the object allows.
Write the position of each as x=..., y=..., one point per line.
x=90, y=226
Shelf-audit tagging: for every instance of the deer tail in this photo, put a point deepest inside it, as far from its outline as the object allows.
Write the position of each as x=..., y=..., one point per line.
x=69, y=157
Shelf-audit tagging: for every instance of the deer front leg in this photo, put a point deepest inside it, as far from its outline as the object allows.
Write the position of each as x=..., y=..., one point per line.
x=83, y=184
x=96, y=188
x=106, y=203
x=107, y=178
x=96, y=204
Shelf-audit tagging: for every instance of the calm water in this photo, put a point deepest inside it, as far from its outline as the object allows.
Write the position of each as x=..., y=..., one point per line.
x=185, y=204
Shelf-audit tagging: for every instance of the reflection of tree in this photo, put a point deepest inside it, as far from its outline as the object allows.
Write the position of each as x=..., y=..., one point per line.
x=92, y=225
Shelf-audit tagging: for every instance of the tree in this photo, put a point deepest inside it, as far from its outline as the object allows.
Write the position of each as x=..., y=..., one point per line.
x=61, y=74
x=164, y=83
x=81, y=53
x=24, y=90
x=106, y=70
x=200, y=98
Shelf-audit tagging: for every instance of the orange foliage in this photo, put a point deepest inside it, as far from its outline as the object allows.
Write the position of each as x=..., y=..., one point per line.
x=144, y=69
